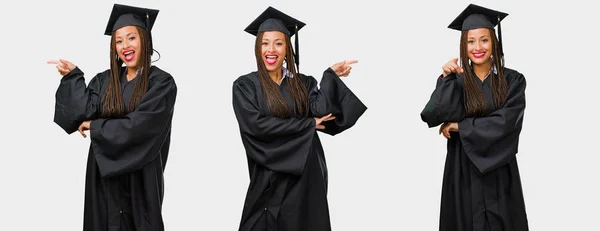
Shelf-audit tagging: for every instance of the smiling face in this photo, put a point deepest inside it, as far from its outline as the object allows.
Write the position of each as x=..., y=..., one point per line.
x=479, y=46
x=273, y=50
x=128, y=45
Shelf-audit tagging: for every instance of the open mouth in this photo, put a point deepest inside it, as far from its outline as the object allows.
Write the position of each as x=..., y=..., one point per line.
x=271, y=59
x=478, y=54
x=129, y=55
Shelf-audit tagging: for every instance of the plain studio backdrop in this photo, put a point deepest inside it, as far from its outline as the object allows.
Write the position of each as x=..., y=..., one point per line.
x=385, y=172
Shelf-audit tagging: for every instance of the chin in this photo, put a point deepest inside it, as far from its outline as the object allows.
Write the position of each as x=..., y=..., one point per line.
x=133, y=63
x=479, y=61
x=273, y=67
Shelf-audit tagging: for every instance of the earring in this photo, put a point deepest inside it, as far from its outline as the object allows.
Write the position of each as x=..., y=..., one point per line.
x=117, y=57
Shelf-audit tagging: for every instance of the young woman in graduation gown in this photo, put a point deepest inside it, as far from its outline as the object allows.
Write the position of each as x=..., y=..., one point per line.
x=279, y=111
x=480, y=104
x=128, y=112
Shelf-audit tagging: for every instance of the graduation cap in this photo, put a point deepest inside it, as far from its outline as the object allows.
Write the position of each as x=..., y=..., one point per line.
x=123, y=15
x=274, y=20
x=475, y=16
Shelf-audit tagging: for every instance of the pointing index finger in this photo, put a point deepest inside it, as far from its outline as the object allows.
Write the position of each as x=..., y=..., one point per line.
x=351, y=62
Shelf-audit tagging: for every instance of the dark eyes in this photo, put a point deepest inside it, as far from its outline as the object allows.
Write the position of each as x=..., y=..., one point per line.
x=130, y=39
x=278, y=44
x=484, y=40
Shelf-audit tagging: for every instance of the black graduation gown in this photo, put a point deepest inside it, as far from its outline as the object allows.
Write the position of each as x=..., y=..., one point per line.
x=288, y=174
x=127, y=156
x=481, y=187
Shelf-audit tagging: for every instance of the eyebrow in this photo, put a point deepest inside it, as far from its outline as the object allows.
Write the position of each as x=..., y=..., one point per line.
x=483, y=36
x=127, y=35
x=277, y=39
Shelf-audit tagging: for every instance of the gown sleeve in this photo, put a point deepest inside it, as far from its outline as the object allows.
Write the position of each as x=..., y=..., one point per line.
x=334, y=97
x=492, y=141
x=75, y=102
x=126, y=144
x=281, y=145
x=445, y=104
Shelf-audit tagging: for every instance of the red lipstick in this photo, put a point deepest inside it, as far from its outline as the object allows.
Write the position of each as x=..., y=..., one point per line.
x=129, y=55
x=271, y=59
x=478, y=54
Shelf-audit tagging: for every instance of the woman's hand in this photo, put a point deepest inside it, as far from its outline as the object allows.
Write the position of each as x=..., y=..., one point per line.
x=323, y=119
x=452, y=67
x=63, y=66
x=84, y=126
x=342, y=69
x=446, y=128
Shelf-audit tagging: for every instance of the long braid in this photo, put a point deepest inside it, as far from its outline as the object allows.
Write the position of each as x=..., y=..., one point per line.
x=297, y=88
x=498, y=83
x=141, y=84
x=112, y=102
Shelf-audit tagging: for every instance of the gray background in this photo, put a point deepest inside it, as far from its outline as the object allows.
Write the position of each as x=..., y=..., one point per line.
x=385, y=173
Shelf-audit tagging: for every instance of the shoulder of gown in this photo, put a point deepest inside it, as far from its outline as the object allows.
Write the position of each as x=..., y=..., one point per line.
x=511, y=75
x=307, y=80
x=250, y=78
x=102, y=76
x=157, y=74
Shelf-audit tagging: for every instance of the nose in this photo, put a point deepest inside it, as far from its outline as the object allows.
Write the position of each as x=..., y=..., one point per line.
x=271, y=47
x=477, y=45
x=125, y=43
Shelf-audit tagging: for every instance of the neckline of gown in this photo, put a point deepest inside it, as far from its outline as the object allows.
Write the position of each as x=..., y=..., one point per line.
x=124, y=75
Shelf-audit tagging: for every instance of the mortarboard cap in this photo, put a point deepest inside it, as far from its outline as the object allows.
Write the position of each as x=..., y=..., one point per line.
x=474, y=17
x=123, y=15
x=274, y=20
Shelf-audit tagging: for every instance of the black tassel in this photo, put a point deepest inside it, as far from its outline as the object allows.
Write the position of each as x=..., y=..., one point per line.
x=297, y=55
x=148, y=30
x=158, y=55
x=151, y=50
x=500, y=38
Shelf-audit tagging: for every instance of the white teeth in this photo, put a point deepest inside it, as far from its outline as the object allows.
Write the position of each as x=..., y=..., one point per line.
x=127, y=53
